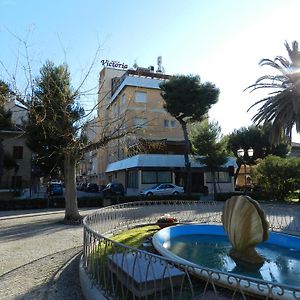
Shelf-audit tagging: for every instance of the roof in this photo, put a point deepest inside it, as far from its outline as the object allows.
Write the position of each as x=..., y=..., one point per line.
x=158, y=160
x=152, y=83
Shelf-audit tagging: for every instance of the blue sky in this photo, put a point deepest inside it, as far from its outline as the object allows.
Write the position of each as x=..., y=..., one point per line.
x=222, y=41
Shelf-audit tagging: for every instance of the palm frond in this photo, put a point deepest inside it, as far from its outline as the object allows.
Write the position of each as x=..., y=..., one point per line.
x=283, y=61
x=282, y=106
x=293, y=53
x=273, y=64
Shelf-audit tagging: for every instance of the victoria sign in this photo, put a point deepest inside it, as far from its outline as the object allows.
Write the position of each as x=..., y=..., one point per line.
x=113, y=63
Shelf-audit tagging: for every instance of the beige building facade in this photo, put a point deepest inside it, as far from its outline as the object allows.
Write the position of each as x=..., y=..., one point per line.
x=131, y=100
x=152, y=150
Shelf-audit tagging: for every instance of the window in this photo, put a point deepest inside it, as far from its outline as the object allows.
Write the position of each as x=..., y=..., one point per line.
x=123, y=100
x=219, y=176
x=115, y=110
x=132, y=179
x=164, y=177
x=18, y=152
x=173, y=124
x=141, y=97
x=156, y=176
x=140, y=122
x=169, y=124
x=149, y=177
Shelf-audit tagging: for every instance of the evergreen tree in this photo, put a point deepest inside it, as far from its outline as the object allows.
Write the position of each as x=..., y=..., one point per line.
x=208, y=143
x=5, y=115
x=52, y=129
x=257, y=138
x=188, y=100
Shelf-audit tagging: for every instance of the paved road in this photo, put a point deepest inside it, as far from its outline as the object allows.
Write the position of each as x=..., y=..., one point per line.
x=39, y=256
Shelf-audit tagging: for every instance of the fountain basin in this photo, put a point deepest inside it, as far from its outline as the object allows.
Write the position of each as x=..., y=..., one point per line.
x=206, y=247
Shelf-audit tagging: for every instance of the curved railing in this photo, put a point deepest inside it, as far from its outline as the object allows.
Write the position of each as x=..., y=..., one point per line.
x=123, y=272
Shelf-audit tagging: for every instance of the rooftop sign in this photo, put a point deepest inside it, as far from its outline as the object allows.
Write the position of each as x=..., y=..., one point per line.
x=114, y=64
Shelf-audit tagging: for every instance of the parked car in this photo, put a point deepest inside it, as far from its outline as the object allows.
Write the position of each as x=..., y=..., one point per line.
x=81, y=186
x=163, y=189
x=113, y=188
x=55, y=189
x=92, y=187
x=102, y=187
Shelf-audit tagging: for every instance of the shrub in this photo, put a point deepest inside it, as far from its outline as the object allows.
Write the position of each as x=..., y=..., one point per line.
x=278, y=177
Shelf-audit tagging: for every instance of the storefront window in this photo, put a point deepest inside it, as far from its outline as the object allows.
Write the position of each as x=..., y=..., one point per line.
x=156, y=177
x=219, y=177
x=132, y=179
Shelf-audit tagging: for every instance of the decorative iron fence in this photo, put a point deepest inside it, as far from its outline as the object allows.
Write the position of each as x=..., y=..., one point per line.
x=123, y=272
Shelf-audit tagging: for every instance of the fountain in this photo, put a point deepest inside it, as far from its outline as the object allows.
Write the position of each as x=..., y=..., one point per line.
x=242, y=248
x=246, y=226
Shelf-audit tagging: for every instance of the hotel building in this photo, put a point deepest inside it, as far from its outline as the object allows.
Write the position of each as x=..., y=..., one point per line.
x=153, y=153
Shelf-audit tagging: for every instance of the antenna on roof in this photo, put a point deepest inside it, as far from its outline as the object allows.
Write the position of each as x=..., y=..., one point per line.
x=160, y=68
x=135, y=65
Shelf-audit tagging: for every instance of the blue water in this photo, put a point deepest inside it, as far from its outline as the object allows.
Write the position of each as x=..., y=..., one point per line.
x=282, y=264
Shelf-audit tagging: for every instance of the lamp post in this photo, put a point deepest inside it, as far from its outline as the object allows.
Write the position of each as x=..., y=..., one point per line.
x=241, y=155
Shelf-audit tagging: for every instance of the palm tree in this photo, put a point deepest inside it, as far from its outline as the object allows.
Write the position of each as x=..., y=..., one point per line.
x=282, y=105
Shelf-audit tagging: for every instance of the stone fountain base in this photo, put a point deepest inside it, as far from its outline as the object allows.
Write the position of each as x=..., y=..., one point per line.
x=248, y=258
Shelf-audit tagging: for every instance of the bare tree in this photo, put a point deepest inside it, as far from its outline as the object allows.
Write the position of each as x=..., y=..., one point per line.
x=55, y=128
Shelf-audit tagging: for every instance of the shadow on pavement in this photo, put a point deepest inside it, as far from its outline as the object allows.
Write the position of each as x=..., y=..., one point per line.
x=14, y=230
x=54, y=277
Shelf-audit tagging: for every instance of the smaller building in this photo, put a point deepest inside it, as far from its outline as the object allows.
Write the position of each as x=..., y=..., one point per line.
x=16, y=160
x=16, y=157
x=145, y=170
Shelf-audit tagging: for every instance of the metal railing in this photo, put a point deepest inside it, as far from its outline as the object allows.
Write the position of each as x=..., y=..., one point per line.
x=123, y=272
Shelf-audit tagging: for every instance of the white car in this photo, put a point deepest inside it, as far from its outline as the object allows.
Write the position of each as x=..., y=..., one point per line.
x=163, y=189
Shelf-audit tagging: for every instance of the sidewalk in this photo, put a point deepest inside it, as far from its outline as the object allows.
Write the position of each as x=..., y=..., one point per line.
x=39, y=255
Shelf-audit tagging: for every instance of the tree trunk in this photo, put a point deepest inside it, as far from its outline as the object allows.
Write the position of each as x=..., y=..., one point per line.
x=186, y=158
x=214, y=185
x=72, y=215
x=237, y=173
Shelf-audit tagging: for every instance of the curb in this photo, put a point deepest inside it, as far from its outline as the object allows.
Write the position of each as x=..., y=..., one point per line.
x=15, y=215
x=88, y=287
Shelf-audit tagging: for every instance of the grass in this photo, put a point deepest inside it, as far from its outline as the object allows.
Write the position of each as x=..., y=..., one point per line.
x=135, y=237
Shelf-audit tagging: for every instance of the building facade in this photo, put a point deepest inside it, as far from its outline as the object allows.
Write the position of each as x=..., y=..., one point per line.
x=87, y=168
x=16, y=162
x=152, y=152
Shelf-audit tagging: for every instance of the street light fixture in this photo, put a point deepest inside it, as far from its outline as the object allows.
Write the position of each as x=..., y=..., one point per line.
x=241, y=155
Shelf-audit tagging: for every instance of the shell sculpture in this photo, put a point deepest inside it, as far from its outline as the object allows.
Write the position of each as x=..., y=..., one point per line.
x=246, y=226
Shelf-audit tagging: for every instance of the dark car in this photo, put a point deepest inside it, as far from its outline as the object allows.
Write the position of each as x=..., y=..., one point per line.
x=113, y=188
x=55, y=189
x=92, y=187
x=82, y=186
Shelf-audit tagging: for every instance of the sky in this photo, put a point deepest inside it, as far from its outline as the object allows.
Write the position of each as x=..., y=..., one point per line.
x=222, y=41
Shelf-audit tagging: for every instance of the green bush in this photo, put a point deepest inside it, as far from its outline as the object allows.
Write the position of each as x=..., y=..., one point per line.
x=278, y=177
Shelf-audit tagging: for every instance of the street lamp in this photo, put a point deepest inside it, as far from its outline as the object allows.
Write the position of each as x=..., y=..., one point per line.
x=241, y=155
